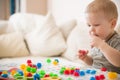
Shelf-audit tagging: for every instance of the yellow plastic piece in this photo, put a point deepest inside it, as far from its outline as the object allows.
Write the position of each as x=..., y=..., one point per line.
x=112, y=75
x=23, y=67
x=13, y=72
x=25, y=73
x=67, y=68
x=50, y=78
x=4, y=72
x=55, y=63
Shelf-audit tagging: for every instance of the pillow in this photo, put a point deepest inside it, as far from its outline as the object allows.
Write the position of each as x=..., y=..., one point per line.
x=67, y=27
x=12, y=45
x=3, y=26
x=78, y=39
x=25, y=22
x=46, y=39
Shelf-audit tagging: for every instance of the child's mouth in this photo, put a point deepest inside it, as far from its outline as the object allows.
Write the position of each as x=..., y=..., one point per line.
x=96, y=35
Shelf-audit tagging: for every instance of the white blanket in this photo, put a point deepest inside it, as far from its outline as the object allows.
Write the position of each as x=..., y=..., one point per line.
x=8, y=63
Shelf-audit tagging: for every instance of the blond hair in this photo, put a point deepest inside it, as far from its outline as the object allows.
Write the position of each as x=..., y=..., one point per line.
x=106, y=6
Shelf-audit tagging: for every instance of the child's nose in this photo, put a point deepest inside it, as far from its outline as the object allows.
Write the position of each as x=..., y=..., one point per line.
x=92, y=32
x=92, y=29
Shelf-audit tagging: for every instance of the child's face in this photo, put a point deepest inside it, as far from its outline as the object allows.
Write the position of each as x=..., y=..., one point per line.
x=99, y=25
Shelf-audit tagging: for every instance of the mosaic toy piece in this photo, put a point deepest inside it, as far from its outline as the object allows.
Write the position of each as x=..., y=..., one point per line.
x=50, y=78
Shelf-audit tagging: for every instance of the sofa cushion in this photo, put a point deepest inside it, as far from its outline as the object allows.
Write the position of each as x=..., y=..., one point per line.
x=67, y=27
x=12, y=45
x=46, y=40
x=78, y=39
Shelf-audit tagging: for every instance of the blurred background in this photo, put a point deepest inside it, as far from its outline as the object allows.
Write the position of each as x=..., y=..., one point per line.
x=61, y=9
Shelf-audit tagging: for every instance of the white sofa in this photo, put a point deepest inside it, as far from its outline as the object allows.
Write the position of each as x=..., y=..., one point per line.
x=36, y=37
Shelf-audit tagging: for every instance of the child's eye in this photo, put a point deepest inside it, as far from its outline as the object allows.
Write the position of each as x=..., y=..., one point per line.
x=96, y=25
x=89, y=25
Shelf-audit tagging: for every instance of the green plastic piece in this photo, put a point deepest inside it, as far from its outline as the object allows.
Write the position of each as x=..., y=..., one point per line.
x=28, y=78
x=51, y=74
x=28, y=68
x=41, y=72
x=55, y=76
x=61, y=71
x=16, y=75
x=48, y=60
x=19, y=78
x=63, y=68
x=33, y=70
x=69, y=78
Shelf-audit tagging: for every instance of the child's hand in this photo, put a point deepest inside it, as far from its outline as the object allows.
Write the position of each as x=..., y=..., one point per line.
x=96, y=41
x=82, y=54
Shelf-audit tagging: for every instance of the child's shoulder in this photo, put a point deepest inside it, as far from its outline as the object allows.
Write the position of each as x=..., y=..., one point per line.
x=115, y=42
x=115, y=39
x=117, y=36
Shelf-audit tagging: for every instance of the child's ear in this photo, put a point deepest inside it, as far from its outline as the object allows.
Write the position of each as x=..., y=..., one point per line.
x=113, y=23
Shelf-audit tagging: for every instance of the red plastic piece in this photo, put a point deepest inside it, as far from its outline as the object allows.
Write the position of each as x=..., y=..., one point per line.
x=34, y=66
x=77, y=68
x=83, y=52
x=71, y=71
x=1, y=78
x=102, y=77
x=76, y=74
x=0, y=72
x=97, y=77
x=46, y=75
x=66, y=72
x=103, y=69
x=29, y=61
x=30, y=64
x=29, y=75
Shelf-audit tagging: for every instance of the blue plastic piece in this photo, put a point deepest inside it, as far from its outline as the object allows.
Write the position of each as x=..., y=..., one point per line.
x=57, y=60
x=36, y=77
x=88, y=71
x=20, y=72
x=4, y=75
x=92, y=78
x=39, y=65
x=82, y=73
x=93, y=72
x=77, y=71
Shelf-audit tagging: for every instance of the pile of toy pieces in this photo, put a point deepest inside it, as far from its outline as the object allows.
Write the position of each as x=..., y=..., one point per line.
x=30, y=71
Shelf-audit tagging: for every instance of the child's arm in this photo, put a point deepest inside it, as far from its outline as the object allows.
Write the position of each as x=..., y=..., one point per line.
x=83, y=56
x=111, y=54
